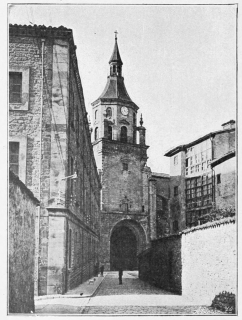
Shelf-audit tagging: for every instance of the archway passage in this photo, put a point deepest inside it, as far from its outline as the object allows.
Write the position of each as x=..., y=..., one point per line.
x=123, y=249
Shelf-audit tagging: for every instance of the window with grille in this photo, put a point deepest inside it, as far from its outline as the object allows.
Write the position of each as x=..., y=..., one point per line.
x=15, y=87
x=199, y=191
x=14, y=157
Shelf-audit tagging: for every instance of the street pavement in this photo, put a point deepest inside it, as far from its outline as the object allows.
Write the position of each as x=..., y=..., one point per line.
x=134, y=296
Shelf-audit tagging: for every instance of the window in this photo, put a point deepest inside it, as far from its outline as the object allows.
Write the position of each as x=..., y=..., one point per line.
x=196, y=158
x=203, y=166
x=109, y=112
x=175, y=191
x=125, y=166
x=19, y=88
x=175, y=160
x=218, y=178
x=123, y=137
x=187, y=162
x=96, y=133
x=17, y=156
x=14, y=157
x=143, y=208
x=96, y=112
x=15, y=87
x=110, y=133
x=134, y=119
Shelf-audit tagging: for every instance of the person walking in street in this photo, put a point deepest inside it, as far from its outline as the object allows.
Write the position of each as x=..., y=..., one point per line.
x=120, y=274
x=101, y=270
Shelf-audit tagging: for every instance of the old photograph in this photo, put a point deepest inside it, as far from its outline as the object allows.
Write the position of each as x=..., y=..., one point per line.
x=122, y=159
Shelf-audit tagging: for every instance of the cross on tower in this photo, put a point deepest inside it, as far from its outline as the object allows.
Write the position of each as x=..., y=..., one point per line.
x=116, y=32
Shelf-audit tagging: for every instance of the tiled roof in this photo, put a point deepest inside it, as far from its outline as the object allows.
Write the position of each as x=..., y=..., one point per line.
x=212, y=224
x=174, y=150
x=115, y=89
x=223, y=158
x=17, y=181
x=163, y=175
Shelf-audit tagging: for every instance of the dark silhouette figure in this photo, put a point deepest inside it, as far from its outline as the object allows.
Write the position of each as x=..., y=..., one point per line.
x=101, y=270
x=120, y=274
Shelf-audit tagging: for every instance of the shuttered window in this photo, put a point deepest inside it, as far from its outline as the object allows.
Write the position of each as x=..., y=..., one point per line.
x=15, y=87
x=14, y=157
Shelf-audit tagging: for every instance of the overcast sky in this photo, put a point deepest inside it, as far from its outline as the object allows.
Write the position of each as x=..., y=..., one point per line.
x=179, y=63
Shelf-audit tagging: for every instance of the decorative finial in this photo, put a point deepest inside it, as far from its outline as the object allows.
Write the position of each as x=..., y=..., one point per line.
x=141, y=120
x=116, y=32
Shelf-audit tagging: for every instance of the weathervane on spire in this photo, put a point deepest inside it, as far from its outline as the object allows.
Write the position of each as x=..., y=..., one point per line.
x=116, y=32
x=141, y=120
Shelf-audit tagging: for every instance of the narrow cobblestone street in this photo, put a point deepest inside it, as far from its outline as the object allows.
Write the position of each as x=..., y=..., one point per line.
x=134, y=296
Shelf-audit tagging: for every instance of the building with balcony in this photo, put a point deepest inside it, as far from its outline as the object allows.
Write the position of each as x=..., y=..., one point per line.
x=193, y=181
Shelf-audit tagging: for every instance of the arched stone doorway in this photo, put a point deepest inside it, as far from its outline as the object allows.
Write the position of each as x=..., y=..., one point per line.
x=126, y=241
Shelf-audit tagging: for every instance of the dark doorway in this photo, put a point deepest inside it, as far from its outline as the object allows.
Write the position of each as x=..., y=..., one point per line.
x=123, y=249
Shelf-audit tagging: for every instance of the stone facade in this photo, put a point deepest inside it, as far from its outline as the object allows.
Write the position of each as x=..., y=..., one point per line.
x=21, y=248
x=225, y=180
x=209, y=260
x=198, y=263
x=58, y=165
x=192, y=180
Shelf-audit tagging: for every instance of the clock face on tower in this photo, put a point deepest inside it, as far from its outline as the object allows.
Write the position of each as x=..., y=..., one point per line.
x=124, y=111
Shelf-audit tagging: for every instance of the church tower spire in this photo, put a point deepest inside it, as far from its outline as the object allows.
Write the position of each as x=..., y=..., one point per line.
x=115, y=61
x=121, y=160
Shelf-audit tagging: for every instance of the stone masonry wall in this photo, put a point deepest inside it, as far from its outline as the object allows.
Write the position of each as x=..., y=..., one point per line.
x=25, y=52
x=199, y=262
x=223, y=143
x=121, y=186
x=22, y=211
x=209, y=260
x=161, y=265
x=226, y=189
x=166, y=263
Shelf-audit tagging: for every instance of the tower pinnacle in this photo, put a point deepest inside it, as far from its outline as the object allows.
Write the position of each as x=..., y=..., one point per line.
x=116, y=32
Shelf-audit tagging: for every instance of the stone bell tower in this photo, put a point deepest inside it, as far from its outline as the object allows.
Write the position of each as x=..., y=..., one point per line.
x=121, y=159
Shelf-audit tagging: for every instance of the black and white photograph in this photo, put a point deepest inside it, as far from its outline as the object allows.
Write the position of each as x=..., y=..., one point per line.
x=122, y=171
